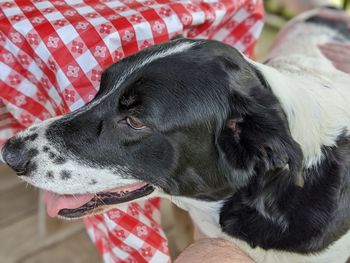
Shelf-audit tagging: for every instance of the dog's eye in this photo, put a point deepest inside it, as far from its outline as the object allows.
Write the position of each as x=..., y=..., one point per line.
x=135, y=123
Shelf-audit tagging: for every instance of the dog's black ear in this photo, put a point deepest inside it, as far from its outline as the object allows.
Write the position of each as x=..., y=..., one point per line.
x=255, y=136
x=257, y=152
x=258, y=155
x=180, y=36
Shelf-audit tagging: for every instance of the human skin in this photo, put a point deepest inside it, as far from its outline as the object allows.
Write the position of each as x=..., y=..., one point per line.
x=213, y=250
x=299, y=6
x=336, y=15
x=338, y=53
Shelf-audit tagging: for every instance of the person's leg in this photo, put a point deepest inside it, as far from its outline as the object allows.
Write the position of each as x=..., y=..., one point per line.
x=213, y=250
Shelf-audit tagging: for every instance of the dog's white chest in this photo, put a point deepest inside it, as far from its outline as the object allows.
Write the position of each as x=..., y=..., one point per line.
x=204, y=214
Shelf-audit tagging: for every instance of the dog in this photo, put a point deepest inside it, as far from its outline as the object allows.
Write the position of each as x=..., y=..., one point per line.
x=258, y=154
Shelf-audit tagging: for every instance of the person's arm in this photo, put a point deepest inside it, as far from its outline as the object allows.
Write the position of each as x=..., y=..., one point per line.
x=213, y=250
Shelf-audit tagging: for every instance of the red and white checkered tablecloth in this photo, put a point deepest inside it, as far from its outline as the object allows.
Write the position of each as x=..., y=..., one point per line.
x=130, y=233
x=52, y=54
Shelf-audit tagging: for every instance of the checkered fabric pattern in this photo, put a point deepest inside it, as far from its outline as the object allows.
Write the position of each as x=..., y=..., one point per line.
x=130, y=233
x=52, y=54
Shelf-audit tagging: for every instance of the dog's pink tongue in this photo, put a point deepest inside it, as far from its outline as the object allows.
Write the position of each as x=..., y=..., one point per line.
x=55, y=202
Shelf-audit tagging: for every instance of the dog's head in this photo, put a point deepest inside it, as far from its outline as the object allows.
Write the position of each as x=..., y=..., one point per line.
x=190, y=118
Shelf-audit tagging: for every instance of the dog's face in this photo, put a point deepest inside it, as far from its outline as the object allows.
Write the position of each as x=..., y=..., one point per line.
x=190, y=118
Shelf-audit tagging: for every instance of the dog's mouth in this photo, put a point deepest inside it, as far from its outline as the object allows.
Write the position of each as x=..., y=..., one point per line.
x=77, y=206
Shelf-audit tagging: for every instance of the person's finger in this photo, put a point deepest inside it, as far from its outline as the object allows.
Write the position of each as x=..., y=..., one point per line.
x=340, y=49
x=338, y=54
x=330, y=48
x=337, y=46
x=334, y=55
x=342, y=67
x=335, y=15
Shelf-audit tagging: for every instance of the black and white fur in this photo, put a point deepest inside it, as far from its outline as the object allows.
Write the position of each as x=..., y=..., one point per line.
x=258, y=154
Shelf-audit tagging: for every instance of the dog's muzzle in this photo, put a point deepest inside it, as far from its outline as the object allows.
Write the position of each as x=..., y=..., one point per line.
x=17, y=156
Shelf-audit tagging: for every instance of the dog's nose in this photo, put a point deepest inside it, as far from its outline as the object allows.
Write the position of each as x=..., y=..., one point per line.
x=16, y=155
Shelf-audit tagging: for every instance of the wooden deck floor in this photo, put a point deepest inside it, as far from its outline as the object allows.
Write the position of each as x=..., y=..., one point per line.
x=21, y=240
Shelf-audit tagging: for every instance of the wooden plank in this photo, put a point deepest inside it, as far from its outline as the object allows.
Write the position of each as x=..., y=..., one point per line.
x=177, y=226
x=22, y=238
x=264, y=43
x=75, y=249
x=8, y=178
x=16, y=202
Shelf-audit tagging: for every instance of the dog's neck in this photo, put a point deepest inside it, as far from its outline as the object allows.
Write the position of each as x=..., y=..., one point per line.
x=316, y=114
x=205, y=214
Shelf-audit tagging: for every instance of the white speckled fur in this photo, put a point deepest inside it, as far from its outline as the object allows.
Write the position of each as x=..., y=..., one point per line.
x=299, y=75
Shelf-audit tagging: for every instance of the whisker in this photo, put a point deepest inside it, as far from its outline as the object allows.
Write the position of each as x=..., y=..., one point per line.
x=95, y=201
x=74, y=197
x=100, y=199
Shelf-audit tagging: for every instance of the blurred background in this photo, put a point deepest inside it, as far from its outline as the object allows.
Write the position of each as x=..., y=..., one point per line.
x=27, y=235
